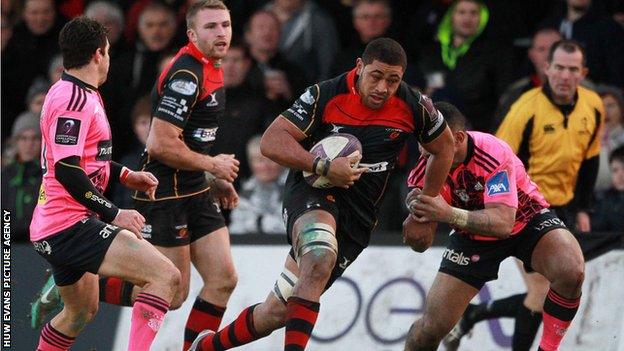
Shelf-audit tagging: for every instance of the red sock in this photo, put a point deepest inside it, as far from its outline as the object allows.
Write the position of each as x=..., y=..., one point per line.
x=237, y=333
x=557, y=316
x=300, y=319
x=148, y=313
x=204, y=315
x=116, y=291
x=53, y=340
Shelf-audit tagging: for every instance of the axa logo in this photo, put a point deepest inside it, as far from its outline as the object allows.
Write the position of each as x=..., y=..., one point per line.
x=457, y=257
x=498, y=184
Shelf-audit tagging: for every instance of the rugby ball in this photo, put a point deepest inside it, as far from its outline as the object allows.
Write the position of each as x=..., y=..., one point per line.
x=331, y=147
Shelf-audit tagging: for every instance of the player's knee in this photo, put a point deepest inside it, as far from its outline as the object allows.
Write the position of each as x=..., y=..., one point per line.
x=171, y=278
x=573, y=275
x=317, y=265
x=179, y=297
x=227, y=282
x=434, y=329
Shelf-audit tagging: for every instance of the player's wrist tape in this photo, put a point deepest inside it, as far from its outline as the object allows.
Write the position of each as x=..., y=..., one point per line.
x=125, y=172
x=321, y=166
x=459, y=217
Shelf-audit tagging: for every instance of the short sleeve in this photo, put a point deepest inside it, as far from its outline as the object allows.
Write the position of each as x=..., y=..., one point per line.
x=177, y=98
x=69, y=131
x=432, y=121
x=500, y=186
x=303, y=111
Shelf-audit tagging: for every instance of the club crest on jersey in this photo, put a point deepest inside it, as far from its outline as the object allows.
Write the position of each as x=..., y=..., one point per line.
x=183, y=87
x=498, y=184
x=67, y=130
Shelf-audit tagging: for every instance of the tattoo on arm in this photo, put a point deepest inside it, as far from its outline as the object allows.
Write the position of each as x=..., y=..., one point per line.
x=481, y=222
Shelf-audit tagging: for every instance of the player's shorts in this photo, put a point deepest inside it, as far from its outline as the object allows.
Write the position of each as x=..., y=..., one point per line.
x=181, y=221
x=476, y=261
x=303, y=198
x=78, y=249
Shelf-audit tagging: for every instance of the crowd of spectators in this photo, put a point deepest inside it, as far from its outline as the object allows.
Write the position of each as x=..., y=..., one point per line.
x=480, y=55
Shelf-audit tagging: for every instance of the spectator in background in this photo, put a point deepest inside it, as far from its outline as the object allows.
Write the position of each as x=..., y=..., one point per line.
x=134, y=73
x=371, y=20
x=609, y=214
x=554, y=130
x=260, y=206
x=309, y=38
x=111, y=16
x=271, y=74
x=36, y=95
x=247, y=113
x=55, y=69
x=600, y=35
x=21, y=178
x=612, y=133
x=538, y=55
x=464, y=68
x=141, y=118
x=27, y=55
x=7, y=30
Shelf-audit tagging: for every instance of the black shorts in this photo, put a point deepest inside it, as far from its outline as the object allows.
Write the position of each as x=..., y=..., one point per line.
x=305, y=199
x=179, y=222
x=78, y=249
x=476, y=261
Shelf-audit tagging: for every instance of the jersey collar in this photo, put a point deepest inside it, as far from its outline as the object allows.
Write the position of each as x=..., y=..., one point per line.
x=196, y=53
x=565, y=109
x=469, y=149
x=352, y=77
x=68, y=77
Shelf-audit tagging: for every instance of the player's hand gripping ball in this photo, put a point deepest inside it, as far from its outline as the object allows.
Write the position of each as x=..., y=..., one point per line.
x=419, y=236
x=331, y=147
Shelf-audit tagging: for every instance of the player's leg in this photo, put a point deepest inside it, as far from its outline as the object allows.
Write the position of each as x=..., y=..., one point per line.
x=558, y=257
x=529, y=312
x=81, y=307
x=446, y=301
x=140, y=263
x=255, y=321
x=212, y=257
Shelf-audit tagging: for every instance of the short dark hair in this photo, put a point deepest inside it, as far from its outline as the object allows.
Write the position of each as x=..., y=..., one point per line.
x=452, y=115
x=385, y=50
x=567, y=45
x=79, y=40
x=617, y=155
x=200, y=5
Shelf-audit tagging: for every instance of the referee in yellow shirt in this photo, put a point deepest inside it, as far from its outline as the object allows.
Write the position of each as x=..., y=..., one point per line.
x=554, y=129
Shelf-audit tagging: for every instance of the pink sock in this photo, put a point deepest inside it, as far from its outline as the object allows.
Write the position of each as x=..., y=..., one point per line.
x=557, y=316
x=148, y=313
x=53, y=340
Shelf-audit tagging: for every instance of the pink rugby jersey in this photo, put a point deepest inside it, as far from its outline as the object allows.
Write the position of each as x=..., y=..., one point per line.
x=490, y=174
x=73, y=123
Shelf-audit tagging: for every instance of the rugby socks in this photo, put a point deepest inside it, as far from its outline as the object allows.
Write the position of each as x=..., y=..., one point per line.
x=116, y=291
x=204, y=315
x=148, y=313
x=301, y=316
x=53, y=340
x=526, y=326
x=558, y=314
x=237, y=333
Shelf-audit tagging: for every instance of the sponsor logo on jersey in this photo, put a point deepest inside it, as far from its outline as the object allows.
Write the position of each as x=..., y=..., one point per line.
x=43, y=247
x=104, y=150
x=91, y=196
x=298, y=110
x=549, y=223
x=456, y=257
x=478, y=186
x=437, y=120
x=67, y=130
x=182, y=231
x=205, y=134
x=498, y=184
x=376, y=167
x=549, y=129
x=183, y=87
x=212, y=100
x=462, y=194
x=307, y=97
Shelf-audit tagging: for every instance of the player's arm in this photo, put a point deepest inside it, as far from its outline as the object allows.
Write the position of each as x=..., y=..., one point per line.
x=141, y=181
x=281, y=142
x=165, y=141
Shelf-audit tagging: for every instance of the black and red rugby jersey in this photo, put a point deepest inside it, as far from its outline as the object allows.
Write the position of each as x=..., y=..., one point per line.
x=335, y=106
x=188, y=94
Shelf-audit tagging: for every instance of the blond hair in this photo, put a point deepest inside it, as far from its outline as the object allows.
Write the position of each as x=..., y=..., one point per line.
x=201, y=5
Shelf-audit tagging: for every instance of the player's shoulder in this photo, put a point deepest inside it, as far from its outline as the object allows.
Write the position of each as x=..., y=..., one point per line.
x=70, y=96
x=186, y=64
x=334, y=86
x=590, y=96
x=490, y=150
